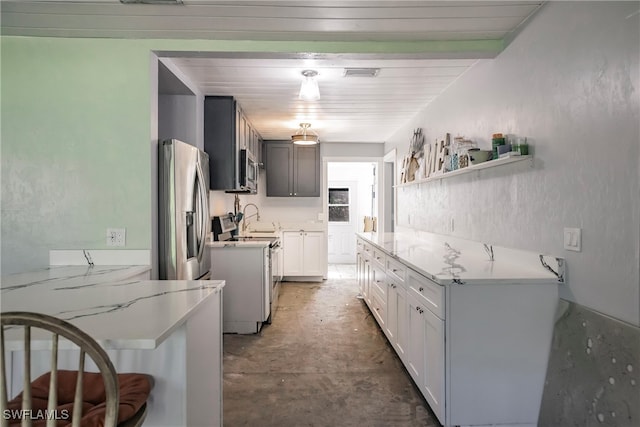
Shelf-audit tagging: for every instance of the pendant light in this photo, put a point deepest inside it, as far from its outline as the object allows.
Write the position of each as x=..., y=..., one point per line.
x=309, y=90
x=304, y=135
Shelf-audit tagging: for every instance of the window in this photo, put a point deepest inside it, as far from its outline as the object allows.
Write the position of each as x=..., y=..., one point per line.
x=339, y=205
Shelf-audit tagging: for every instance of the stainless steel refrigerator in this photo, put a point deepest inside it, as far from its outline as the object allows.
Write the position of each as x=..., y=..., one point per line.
x=183, y=211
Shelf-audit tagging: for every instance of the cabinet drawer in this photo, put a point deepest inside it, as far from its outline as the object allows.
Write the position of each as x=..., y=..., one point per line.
x=378, y=308
x=379, y=257
x=378, y=281
x=428, y=293
x=396, y=270
x=367, y=250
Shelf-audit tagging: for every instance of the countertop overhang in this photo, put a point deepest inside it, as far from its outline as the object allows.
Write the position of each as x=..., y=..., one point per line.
x=129, y=314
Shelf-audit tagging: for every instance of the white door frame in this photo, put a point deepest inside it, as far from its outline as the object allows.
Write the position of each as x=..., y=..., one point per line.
x=325, y=190
x=352, y=225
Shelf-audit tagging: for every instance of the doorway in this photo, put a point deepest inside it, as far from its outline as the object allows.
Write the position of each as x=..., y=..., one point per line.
x=351, y=197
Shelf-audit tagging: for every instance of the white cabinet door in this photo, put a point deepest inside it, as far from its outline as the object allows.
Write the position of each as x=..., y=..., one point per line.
x=360, y=270
x=391, y=329
x=313, y=253
x=293, y=244
x=303, y=253
x=363, y=273
x=416, y=350
x=402, y=323
x=434, y=363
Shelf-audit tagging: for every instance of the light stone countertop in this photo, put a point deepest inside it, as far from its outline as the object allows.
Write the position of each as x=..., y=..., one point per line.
x=128, y=314
x=451, y=260
x=71, y=275
x=241, y=244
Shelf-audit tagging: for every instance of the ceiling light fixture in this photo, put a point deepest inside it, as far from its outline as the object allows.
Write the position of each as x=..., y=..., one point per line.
x=304, y=135
x=309, y=90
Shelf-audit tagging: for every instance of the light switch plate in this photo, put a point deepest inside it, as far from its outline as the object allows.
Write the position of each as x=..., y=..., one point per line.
x=573, y=239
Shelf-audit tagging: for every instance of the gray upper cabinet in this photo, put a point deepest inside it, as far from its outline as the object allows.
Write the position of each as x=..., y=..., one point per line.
x=226, y=132
x=292, y=170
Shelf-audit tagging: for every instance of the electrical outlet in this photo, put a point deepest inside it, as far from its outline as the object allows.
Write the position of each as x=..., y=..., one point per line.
x=116, y=237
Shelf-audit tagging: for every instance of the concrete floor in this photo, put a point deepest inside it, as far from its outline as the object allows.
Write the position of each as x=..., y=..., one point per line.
x=322, y=362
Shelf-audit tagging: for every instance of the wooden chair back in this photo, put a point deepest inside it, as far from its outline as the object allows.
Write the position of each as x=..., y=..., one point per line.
x=86, y=344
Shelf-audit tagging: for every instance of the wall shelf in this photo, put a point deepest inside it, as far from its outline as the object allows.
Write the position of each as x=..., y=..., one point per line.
x=469, y=169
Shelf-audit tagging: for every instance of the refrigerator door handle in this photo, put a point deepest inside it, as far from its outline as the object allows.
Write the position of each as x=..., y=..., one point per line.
x=203, y=216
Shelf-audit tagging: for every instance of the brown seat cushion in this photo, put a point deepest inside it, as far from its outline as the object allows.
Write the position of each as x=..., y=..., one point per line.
x=134, y=391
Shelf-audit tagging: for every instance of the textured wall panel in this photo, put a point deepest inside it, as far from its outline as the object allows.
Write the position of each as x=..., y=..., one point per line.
x=593, y=376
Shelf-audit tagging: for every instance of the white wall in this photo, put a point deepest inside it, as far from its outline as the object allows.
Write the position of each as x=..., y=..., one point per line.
x=569, y=82
x=351, y=150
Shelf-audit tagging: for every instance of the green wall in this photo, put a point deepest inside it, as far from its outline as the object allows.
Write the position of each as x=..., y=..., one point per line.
x=75, y=146
x=76, y=135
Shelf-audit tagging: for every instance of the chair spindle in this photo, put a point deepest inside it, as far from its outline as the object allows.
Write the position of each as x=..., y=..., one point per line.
x=77, y=403
x=26, y=389
x=3, y=384
x=52, y=402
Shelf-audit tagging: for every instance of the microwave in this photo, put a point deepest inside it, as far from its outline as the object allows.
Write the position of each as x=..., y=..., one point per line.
x=248, y=172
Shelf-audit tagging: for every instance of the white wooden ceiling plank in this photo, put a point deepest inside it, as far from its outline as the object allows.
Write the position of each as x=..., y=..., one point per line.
x=358, y=3
x=274, y=10
x=204, y=34
x=171, y=23
x=256, y=76
x=216, y=63
x=384, y=87
x=324, y=71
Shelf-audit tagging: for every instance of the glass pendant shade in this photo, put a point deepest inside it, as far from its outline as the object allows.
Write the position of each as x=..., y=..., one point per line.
x=309, y=90
x=304, y=135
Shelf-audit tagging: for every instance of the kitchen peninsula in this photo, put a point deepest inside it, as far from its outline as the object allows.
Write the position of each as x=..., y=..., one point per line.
x=169, y=329
x=472, y=323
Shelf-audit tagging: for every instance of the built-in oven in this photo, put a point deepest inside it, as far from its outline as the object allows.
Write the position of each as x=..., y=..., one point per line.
x=248, y=172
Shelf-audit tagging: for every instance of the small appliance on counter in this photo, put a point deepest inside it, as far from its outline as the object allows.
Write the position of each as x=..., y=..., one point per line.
x=224, y=227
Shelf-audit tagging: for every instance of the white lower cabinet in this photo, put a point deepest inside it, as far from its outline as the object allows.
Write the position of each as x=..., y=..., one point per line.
x=378, y=294
x=415, y=355
x=303, y=253
x=477, y=352
x=401, y=318
x=425, y=359
x=433, y=383
x=364, y=267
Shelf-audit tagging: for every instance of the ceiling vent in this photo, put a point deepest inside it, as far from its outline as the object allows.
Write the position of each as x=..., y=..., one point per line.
x=361, y=72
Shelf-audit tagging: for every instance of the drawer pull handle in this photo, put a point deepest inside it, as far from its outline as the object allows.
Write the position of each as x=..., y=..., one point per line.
x=421, y=289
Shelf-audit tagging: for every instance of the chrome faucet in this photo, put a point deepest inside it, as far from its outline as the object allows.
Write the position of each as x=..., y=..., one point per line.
x=245, y=218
